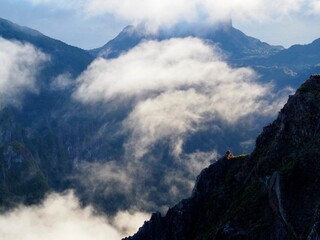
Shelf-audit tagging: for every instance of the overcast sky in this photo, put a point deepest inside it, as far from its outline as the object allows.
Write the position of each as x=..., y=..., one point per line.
x=91, y=23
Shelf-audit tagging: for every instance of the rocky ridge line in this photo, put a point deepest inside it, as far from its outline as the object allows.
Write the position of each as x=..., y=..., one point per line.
x=271, y=194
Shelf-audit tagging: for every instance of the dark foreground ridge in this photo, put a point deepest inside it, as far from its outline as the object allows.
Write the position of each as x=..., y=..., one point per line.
x=271, y=194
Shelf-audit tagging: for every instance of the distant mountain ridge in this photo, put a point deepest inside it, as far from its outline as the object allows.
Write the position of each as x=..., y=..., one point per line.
x=7, y=26
x=288, y=66
x=231, y=40
x=307, y=54
x=64, y=57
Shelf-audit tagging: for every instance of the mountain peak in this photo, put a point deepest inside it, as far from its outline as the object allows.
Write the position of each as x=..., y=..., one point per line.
x=234, y=42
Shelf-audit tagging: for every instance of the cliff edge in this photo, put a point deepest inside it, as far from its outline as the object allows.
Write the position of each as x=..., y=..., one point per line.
x=271, y=194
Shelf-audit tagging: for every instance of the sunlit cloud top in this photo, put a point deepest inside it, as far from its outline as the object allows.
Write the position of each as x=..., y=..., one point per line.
x=176, y=85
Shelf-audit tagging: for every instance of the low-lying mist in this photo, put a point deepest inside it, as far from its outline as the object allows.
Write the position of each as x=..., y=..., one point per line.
x=61, y=216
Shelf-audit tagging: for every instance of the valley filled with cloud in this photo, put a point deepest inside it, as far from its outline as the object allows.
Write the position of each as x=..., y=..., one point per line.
x=129, y=135
x=61, y=216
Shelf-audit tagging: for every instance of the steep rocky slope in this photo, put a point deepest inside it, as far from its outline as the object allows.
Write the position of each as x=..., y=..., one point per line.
x=271, y=194
x=32, y=156
x=21, y=180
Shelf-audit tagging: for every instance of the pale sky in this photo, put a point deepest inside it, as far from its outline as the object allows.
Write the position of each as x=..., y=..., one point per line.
x=91, y=23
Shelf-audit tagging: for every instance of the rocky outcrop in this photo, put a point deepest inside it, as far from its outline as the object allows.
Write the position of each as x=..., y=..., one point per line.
x=315, y=232
x=21, y=180
x=277, y=195
x=180, y=221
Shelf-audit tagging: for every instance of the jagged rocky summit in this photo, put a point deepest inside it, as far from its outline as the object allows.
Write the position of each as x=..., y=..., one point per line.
x=271, y=194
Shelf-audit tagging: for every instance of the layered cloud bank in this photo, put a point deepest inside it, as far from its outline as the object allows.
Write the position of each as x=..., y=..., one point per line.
x=62, y=217
x=176, y=86
x=167, y=13
x=151, y=67
x=20, y=64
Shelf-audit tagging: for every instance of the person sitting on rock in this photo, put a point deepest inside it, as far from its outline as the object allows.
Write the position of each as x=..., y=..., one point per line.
x=228, y=155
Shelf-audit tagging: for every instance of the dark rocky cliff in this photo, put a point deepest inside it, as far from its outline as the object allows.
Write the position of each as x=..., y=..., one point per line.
x=271, y=194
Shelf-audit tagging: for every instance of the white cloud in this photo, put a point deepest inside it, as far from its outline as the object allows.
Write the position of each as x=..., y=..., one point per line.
x=176, y=88
x=315, y=7
x=111, y=175
x=150, y=67
x=189, y=165
x=181, y=84
x=167, y=13
x=149, y=185
x=197, y=161
x=20, y=64
x=62, y=82
x=166, y=117
x=62, y=217
x=128, y=223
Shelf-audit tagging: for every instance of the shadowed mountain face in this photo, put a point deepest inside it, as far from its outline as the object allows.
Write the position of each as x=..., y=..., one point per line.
x=33, y=158
x=271, y=194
